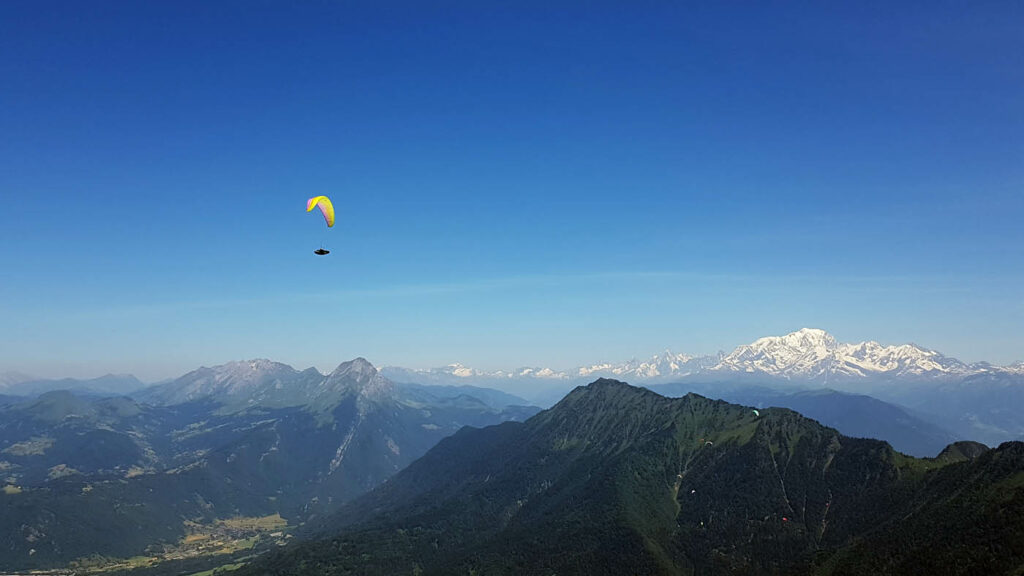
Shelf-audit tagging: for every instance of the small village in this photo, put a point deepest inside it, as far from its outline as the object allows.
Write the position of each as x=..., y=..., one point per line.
x=221, y=538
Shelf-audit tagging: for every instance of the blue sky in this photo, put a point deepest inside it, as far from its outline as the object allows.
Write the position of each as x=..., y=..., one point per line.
x=516, y=184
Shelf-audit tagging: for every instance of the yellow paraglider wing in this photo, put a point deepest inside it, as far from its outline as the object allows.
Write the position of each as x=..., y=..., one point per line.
x=325, y=206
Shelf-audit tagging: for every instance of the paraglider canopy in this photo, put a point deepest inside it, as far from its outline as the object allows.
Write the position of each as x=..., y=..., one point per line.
x=756, y=413
x=325, y=206
x=327, y=209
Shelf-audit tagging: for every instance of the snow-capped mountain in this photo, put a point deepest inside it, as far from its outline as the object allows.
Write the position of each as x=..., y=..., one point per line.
x=458, y=373
x=1015, y=368
x=811, y=353
x=666, y=364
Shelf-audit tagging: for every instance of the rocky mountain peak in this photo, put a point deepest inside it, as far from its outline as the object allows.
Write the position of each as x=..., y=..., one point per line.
x=358, y=369
x=361, y=376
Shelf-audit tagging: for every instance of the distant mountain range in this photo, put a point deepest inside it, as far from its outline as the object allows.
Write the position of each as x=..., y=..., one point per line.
x=971, y=401
x=620, y=480
x=808, y=354
x=16, y=384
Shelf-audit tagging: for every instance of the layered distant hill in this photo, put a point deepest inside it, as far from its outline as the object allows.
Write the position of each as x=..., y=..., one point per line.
x=15, y=384
x=115, y=476
x=620, y=480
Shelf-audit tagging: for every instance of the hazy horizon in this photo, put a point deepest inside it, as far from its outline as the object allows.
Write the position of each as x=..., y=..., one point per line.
x=326, y=368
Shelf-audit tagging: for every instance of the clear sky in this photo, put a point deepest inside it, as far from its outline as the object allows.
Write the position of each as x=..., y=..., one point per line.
x=516, y=183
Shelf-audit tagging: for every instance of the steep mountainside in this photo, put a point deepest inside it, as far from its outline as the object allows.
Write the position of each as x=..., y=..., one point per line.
x=854, y=415
x=961, y=519
x=620, y=480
